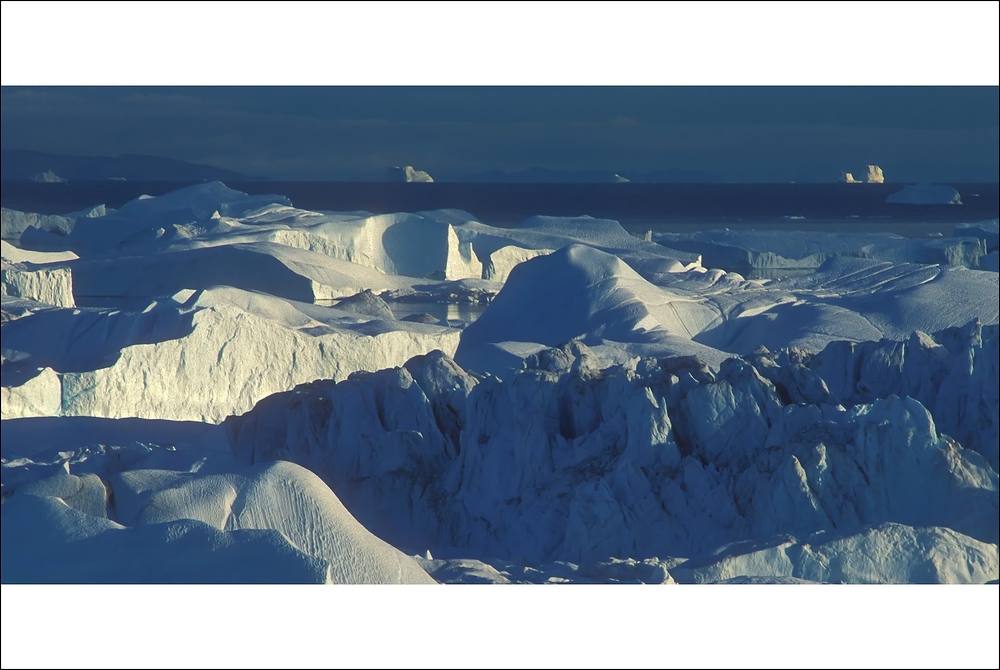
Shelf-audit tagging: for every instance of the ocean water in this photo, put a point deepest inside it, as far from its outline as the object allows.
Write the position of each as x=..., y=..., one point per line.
x=638, y=207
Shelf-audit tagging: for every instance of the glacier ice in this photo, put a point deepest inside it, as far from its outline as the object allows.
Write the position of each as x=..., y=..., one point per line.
x=273, y=523
x=36, y=276
x=50, y=285
x=568, y=461
x=622, y=411
x=580, y=292
x=15, y=223
x=280, y=270
x=745, y=251
x=885, y=554
x=199, y=355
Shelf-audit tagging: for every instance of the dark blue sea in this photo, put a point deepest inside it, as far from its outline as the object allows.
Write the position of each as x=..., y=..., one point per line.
x=638, y=206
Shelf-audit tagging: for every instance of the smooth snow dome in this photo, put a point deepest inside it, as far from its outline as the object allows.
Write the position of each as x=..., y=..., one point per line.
x=214, y=387
x=926, y=194
x=272, y=523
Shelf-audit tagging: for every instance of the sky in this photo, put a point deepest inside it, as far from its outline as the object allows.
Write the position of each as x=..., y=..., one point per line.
x=725, y=90
x=736, y=133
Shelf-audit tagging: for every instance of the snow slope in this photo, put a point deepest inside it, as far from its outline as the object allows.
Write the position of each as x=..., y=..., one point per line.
x=579, y=292
x=582, y=293
x=545, y=233
x=270, y=523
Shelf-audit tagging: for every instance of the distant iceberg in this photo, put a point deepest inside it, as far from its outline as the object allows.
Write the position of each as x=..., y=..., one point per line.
x=49, y=177
x=873, y=176
x=926, y=194
x=408, y=173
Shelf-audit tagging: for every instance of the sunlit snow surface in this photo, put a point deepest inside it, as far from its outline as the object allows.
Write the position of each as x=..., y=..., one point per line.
x=213, y=387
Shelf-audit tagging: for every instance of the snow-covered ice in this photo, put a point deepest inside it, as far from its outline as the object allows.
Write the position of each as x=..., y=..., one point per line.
x=272, y=523
x=566, y=461
x=745, y=251
x=198, y=355
x=15, y=222
x=209, y=386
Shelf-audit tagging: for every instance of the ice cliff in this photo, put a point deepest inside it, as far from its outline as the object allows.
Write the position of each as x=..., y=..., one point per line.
x=571, y=460
x=15, y=222
x=200, y=355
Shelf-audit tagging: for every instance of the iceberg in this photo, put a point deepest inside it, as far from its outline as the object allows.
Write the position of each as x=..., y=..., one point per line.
x=579, y=292
x=209, y=386
x=926, y=194
x=987, y=231
x=277, y=269
x=546, y=233
x=747, y=251
x=199, y=355
x=36, y=276
x=15, y=222
x=50, y=285
x=582, y=293
x=407, y=173
x=568, y=461
x=49, y=177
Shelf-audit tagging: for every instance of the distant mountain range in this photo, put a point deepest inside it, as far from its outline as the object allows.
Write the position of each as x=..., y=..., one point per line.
x=33, y=165
x=542, y=175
